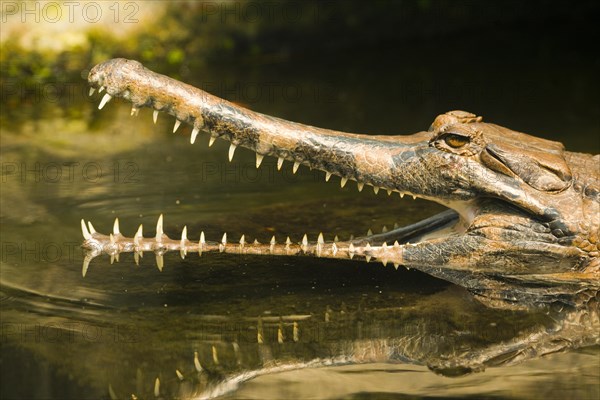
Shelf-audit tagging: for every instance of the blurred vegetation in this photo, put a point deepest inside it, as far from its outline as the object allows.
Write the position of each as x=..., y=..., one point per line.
x=444, y=47
x=192, y=34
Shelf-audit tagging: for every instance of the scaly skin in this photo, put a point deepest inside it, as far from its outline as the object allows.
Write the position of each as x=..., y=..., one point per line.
x=525, y=210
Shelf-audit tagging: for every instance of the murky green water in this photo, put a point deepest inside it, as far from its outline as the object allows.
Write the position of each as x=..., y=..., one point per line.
x=115, y=331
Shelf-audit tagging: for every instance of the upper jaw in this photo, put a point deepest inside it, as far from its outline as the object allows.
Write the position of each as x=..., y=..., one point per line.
x=391, y=163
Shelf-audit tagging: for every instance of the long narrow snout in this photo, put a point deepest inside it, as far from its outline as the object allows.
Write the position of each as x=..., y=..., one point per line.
x=377, y=161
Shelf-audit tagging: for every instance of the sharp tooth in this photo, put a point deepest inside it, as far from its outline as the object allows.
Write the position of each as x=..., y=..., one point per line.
x=215, y=355
x=327, y=176
x=111, y=238
x=195, y=132
x=396, y=266
x=184, y=236
x=201, y=243
x=136, y=258
x=384, y=229
x=259, y=159
x=197, y=362
x=177, y=123
x=134, y=111
x=360, y=186
x=236, y=350
x=157, y=387
x=91, y=227
x=84, y=230
x=396, y=244
x=232, y=148
x=367, y=255
x=104, y=100
x=155, y=116
x=295, y=167
x=259, y=338
x=179, y=375
x=138, y=236
x=112, y=259
x=159, y=228
x=343, y=182
x=92, y=90
x=414, y=197
x=389, y=192
x=211, y=141
x=86, y=265
x=320, y=243
x=351, y=250
x=243, y=240
x=288, y=242
x=369, y=232
x=160, y=262
x=296, y=331
x=224, y=239
x=305, y=240
x=336, y=238
x=116, y=230
x=100, y=89
x=401, y=195
x=376, y=189
x=272, y=244
x=279, y=163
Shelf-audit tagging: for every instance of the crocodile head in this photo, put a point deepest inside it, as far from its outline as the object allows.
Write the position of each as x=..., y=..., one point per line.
x=521, y=208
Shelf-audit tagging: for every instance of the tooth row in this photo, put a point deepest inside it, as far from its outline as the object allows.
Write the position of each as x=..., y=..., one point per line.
x=118, y=243
x=199, y=369
x=232, y=147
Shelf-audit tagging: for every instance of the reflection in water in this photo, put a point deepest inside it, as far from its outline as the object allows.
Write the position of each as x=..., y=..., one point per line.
x=204, y=325
x=179, y=330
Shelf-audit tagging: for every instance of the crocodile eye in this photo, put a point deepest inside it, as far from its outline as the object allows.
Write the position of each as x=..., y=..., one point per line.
x=455, y=141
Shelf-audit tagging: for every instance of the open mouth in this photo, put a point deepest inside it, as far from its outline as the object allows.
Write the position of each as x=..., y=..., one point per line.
x=345, y=155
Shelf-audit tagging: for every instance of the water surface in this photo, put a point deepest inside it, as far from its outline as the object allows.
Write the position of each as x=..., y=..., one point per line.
x=363, y=330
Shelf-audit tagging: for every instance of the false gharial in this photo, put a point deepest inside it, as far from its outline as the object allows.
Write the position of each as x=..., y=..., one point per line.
x=524, y=213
